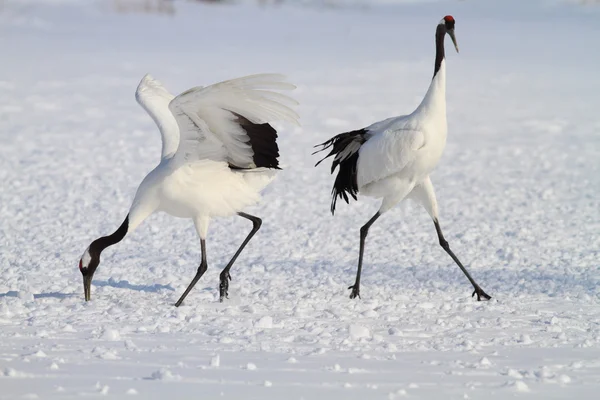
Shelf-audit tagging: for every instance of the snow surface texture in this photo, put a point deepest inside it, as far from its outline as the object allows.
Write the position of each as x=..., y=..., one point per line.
x=518, y=189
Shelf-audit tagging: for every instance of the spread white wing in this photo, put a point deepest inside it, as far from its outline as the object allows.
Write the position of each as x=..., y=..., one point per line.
x=228, y=121
x=155, y=99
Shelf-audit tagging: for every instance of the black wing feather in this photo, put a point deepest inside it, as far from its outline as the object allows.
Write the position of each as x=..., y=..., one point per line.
x=263, y=140
x=346, y=180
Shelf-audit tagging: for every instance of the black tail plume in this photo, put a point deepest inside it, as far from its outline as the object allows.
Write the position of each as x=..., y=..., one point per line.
x=345, y=148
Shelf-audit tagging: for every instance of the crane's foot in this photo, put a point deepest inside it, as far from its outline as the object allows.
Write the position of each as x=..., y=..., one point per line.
x=224, y=286
x=481, y=295
x=355, y=291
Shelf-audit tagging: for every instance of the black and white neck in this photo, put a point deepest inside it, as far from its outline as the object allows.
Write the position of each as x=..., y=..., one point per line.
x=446, y=25
x=102, y=243
x=434, y=102
x=91, y=257
x=440, y=34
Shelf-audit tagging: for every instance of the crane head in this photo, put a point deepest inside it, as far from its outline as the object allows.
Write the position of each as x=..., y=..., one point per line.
x=87, y=266
x=449, y=22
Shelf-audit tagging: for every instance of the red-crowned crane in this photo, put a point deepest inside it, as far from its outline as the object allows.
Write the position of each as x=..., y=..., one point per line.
x=392, y=159
x=218, y=153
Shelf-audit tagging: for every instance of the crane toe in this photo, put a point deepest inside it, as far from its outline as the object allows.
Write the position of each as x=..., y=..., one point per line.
x=480, y=294
x=355, y=291
x=224, y=286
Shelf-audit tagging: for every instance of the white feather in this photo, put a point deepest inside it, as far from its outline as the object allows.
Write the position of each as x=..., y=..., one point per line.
x=207, y=124
x=402, y=151
x=200, y=138
x=155, y=99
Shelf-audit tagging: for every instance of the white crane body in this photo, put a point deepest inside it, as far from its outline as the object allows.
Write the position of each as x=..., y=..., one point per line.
x=392, y=159
x=218, y=153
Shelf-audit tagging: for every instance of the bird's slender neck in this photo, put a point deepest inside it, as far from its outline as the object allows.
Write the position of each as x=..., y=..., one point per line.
x=440, y=33
x=102, y=243
x=434, y=101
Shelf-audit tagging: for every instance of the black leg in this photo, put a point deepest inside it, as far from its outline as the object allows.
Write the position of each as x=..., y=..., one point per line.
x=478, y=291
x=363, y=235
x=201, y=270
x=225, y=276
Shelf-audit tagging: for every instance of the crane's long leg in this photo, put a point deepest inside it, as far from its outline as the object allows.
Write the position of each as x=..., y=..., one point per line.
x=478, y=291
x=425, y=195
x=225, y=277
x=201, y=270
x=363, y=236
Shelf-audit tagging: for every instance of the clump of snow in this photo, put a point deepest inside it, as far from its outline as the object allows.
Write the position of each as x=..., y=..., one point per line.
x=130, y=345
x=215, y=361
x=357, y=370
x=164, y=374
x=513, y=373
x=112, y=335
x=68, y=328
x=394, y=332
x=485, y=362
x=545, y=372
x=40, y=354
x=131, y=392
x=268, y=384
x=13, y=373
x=391, y=347
x=101, y=389
x=564, y=379
x=105, y=354
x=358, y=331
x=519, y=386
x=400, y=393
x=163, y=328
x=250, y=367
x=525, y=339
x=265, y=322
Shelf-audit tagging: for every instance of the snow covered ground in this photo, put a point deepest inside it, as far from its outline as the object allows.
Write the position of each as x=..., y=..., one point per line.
x=518, y=187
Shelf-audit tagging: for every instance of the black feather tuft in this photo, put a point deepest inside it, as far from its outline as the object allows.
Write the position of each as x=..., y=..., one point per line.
x=263, y=140
x=346, y=159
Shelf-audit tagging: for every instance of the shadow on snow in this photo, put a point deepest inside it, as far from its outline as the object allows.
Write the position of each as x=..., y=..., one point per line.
x=126, y=285
x=110, y=282
x=55, y=295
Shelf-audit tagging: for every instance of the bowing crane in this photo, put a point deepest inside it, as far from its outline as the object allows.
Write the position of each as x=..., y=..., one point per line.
x=218, y=152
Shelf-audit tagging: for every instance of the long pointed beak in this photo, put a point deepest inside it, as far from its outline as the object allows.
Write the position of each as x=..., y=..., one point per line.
x=453, y=37
x=87, y=287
